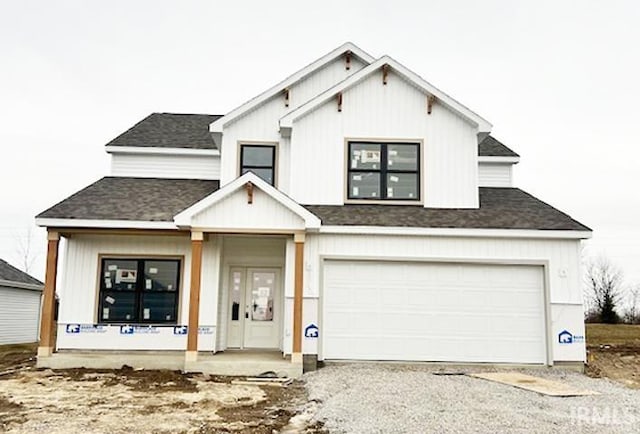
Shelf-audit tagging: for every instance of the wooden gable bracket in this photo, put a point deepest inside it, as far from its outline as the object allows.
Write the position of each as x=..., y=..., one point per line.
x=286, y=97
x=431, y=100
x=249, y=187
x=339, y=98
x=347, y=60
x=385, y=73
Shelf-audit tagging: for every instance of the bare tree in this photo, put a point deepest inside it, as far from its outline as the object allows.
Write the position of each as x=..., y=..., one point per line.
x=632, y=314
x=25, y=251
x=604, y=290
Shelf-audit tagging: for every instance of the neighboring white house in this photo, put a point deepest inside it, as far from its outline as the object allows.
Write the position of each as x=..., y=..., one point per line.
x=20, y=296
x=351, y=212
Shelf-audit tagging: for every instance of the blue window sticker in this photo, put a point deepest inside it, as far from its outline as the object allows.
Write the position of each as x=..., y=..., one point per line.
x=311, y=331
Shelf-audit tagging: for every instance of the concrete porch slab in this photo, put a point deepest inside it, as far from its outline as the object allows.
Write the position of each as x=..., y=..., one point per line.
x=234, y=363
x=246, y=363
x=173, y=360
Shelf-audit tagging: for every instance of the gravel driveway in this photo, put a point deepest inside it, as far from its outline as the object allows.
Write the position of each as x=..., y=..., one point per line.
x=397, y=398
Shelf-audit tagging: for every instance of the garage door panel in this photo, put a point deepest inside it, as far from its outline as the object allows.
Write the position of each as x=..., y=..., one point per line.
x=433, y=312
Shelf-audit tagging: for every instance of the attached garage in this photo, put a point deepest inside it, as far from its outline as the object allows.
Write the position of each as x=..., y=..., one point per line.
x=444, y=312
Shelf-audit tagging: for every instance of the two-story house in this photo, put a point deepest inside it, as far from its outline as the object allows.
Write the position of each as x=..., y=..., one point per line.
x=351, y=212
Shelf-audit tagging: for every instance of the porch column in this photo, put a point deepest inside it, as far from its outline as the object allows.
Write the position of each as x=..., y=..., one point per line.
x=296, y=354
x=194, y=296
x=45, y=348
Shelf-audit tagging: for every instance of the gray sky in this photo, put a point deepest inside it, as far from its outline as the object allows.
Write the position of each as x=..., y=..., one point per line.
x=558, y=80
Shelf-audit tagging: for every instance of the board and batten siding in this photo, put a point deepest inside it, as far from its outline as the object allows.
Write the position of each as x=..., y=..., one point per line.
x=79, y=287
x=396, y=111
x=261, y=124
x=166, y=166
x=495, y=175
x=19, y=315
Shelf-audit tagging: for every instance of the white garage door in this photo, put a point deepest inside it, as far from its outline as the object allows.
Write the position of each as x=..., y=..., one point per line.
x=433, y=312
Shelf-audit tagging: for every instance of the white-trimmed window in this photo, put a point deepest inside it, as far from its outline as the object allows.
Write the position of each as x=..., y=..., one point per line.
x=383, y=171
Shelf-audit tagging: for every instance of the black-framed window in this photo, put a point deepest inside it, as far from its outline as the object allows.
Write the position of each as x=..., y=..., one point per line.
x=383, y=171
x=139, y=290
x=259, y=159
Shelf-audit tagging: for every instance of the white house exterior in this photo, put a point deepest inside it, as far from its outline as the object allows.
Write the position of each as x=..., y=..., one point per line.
x=20, y=296
x=351, y=212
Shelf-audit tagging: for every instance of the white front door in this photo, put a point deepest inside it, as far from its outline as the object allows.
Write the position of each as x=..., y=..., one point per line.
x=254, y=309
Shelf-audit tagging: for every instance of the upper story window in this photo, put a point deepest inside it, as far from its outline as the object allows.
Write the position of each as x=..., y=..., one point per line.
x=259, y=159
x=383, y=171
x=139, y=290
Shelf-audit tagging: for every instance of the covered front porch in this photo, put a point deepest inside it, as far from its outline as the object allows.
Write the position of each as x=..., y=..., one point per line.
x=239, y=260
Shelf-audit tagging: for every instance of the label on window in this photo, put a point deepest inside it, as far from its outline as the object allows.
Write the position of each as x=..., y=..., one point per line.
x=357, y=177
x=356, y=191
x=149, y=284
x=107, y=274
x=112, y=267
x=392, y=152
x=394, y=178
x=146, y=314
x=374, y=194
x=110, y=300
x=169, y=287
x=107, y=283
x=153, y=270
x=105, y=313
x=389, y=191
x=354, y=164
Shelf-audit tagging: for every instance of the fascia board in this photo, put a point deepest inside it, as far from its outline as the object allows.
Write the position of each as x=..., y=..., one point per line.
x=160, y=151
x=106, y=224
x=499, y=160
x=456, y=232
x=20, y=285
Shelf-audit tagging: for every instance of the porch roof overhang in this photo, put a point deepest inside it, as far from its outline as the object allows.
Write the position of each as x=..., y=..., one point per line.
x=247, y=204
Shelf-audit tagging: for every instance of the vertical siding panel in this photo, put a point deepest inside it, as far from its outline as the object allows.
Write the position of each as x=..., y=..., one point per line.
x=560, y=254
x=395, y=111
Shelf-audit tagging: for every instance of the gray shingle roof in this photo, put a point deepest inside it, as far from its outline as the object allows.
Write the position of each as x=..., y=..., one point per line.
x=12, y=274
x=152, y=199
x=169, y=130
x=173, y=130
x=139, y=199
x=491, y=147
x=500, y=208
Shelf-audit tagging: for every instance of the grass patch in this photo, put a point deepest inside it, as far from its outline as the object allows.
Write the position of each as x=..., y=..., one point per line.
x=613, y=334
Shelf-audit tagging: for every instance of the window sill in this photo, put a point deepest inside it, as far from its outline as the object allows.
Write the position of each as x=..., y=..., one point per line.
x=382, y=202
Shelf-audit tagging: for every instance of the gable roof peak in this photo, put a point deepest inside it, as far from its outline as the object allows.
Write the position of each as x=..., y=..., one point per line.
x=217, y=126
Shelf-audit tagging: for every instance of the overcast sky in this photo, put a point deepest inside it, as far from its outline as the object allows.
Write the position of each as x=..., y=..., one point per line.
x=559, y=80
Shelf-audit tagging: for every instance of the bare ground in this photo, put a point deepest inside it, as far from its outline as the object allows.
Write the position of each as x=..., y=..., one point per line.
x=140, y=401
x=613, y=351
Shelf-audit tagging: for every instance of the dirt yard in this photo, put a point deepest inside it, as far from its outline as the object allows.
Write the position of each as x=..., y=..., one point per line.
x=613, y=351
x=139, y=401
